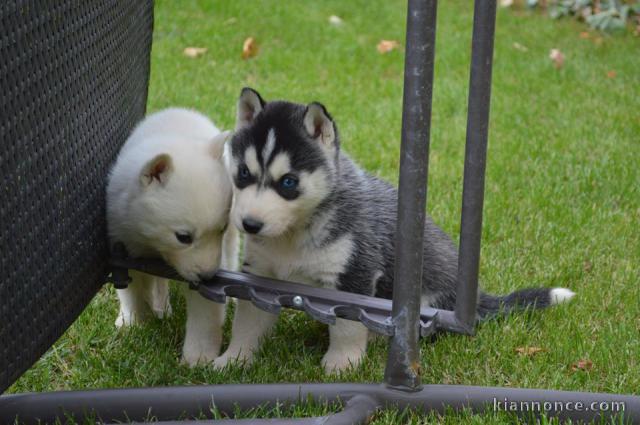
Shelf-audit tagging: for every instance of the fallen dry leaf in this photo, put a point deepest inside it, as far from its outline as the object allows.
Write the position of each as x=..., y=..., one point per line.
x=587, y=266
x=529, y=351
x=194, y=52
x=611, y=74
x=583, y=364
x=249, y=48
x=584, y=34
x=335, y=20
x=596, y=7
x=557, y=57
x=385, y=46
x=520, y=47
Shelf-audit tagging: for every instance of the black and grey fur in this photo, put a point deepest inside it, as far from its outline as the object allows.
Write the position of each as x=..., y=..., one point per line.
x=351, y=212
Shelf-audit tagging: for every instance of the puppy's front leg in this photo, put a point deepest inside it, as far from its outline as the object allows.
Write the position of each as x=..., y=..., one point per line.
x=250, y=324
x=203, y=335
x=133, y=306
x=230, y=245
x=347, y=345
x=157, y=296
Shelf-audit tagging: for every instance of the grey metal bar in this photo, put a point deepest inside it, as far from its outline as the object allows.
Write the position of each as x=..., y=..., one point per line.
x=173, y=403
x=403, y=361
x=358, y=410
x=475, y=161
x=271, y=294
x=319, y=420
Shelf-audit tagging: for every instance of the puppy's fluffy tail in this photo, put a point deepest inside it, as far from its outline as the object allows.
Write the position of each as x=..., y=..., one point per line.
x=492, y=305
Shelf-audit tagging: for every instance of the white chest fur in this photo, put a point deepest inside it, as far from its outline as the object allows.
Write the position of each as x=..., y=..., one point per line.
x=299, y=260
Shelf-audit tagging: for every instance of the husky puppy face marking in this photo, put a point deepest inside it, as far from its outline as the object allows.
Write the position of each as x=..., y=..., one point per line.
x=282, y=164
x=313, y=216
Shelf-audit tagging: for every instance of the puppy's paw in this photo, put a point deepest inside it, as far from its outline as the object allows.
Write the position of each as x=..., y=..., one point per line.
x=126, y=319
x=233, y=356
x=335, y=361
x=162, y=313
x=199, y=354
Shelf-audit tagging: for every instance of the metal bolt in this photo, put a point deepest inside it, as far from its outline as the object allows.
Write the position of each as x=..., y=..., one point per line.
x=297, y=301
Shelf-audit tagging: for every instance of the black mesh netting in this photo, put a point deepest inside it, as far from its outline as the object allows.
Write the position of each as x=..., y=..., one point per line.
x=73, y=82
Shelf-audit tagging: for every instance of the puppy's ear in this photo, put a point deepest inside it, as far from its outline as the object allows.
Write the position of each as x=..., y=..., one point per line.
x=217, y=144
x=319, y=124
x=157, y=170
x=249, y=106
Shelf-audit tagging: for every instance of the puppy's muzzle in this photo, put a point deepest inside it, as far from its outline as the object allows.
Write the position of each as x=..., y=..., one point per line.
x=206, y=276
x=251, y=225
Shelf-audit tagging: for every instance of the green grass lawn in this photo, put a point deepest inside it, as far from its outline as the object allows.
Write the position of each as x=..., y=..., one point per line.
x=562, y=195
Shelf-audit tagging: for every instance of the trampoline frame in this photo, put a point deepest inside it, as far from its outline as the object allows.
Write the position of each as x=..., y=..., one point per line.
x=402, y=319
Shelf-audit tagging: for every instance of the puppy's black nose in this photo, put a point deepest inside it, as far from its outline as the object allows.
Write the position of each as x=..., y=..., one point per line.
x=251, y=225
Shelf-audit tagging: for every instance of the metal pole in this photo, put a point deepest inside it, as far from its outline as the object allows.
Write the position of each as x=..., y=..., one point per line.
x=484, y=19
x=360, y=401
x=403, y=362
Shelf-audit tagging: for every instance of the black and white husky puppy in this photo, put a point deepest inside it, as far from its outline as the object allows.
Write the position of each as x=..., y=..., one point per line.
x=312, y=216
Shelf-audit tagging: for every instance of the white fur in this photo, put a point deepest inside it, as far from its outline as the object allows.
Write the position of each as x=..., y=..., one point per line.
x=203, y=334
x=269, y=146
x=250, y=325
x=270, y=208
x=148, y=295
x=560, y=295
x=251, y=158
x=297, y=260
x=279, y=166
x=192, y=194
x=347, y=345
x=428, y=300
x=285, y=250
x=280, y=216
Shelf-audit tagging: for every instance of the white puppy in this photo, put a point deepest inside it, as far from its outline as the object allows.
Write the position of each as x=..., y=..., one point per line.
x=169, y=195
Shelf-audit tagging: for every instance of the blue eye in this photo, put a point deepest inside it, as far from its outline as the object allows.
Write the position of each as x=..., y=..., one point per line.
x=289, y=182
x=243, y=171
